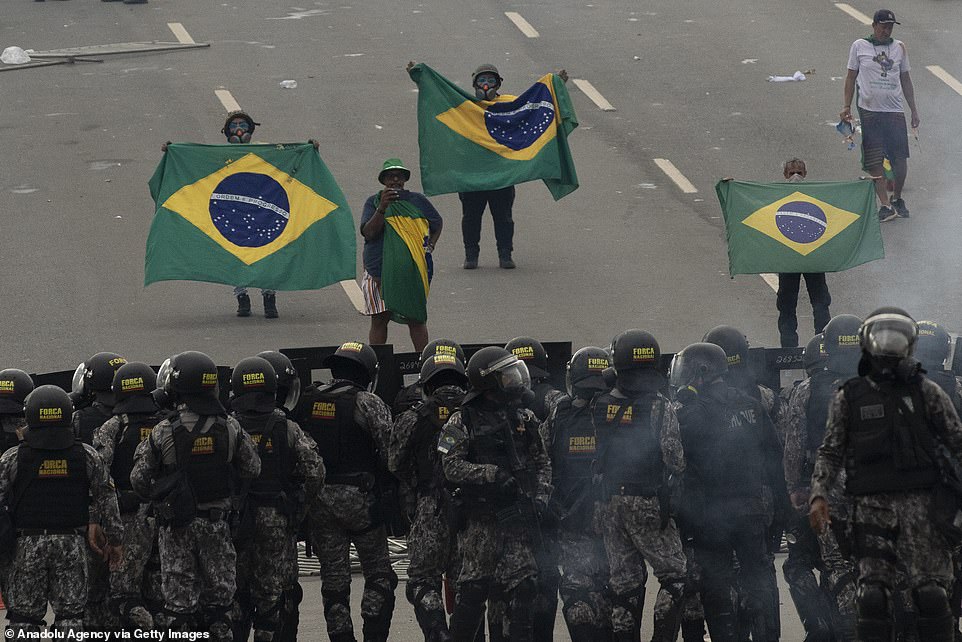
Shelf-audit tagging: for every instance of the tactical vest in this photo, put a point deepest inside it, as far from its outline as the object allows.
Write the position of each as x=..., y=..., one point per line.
x=432, y=415
x=629, y=446
x=87, y=420
x=205, y=459
x=822, y=388
x=271, y=440
x=500, y=439
x=407, y=398
x=946, y=380
x=327, y=415
x=541, y=392
x=134, y=428
x=572, y=451
x=889, y=448
x=732, y=462
x=52, y=488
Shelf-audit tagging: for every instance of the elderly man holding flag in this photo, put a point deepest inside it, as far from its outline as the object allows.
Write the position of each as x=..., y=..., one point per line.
x=400, y=229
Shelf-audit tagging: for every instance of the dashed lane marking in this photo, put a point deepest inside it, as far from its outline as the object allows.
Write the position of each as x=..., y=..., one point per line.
x=522, y=24
x=855, y=13
x=771, y=280
x=589, y=90
x=180, y=33
x=947, y=78
x=353, y=292
x=227, y=100
x=672, y=172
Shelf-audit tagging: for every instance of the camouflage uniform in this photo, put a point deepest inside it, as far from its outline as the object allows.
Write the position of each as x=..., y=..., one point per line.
x=497, y=555
x=140, y=527
x=267, y=555
x=635, y=530
x=413, y=447
x=9, y=424
x=198, y=561
x=53, y=567
x=347, y=510
x=894, y=528
x=829, y=606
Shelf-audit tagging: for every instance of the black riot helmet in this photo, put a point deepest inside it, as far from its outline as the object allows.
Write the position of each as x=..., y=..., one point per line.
x=814, y=355
x=733, y=342
x=191, y=378
x=635, y=359
x=443, y=346
x=133, y=388
x=532, y=353
x=288, y=383
x=584, y=374
x=697, y=365
x=95, y=376
x=48, y=412
x=15, y=385
x=842, y=344
x=353, y=361
x=442, y=370
x=932, y=348
x=494, y=369
x=888, y=333
x=253, y=385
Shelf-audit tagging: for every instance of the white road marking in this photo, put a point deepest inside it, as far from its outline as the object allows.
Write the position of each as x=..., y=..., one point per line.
x=227, y=100
x=180, y=33
x=947, y=78
x=855, y=13
x=669, y=168
x=522, y=24
x=771, y=280
x=592, y=93
x=353, y=292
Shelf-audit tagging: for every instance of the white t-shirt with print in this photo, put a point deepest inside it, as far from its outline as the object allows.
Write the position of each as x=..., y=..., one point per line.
x=879, y=67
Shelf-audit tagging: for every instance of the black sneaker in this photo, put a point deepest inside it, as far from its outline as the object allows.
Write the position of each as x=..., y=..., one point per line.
x=243, y=305
x=898, y=204
x=886, y=213
x=270, y=305
x=470, y=264
x=506, y=263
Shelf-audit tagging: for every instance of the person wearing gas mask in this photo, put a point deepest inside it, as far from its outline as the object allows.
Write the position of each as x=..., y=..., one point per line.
x=135, y=415
x=188, y=466
x=638, y=451
x=733, y=485
x=570, y=437
x=492, y=451
x=536, y=359
x=896, y=436
x=271, y=506
x=414, y=458
x=352, y=427
x=826, y=608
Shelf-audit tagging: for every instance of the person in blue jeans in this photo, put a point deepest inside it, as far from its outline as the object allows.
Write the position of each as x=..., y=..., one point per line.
x=788, y=283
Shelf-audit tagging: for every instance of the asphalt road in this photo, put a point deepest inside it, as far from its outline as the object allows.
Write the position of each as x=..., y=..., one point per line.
x=628, y=249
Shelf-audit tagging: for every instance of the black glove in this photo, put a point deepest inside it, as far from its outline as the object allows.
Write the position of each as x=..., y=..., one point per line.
x=505, y=483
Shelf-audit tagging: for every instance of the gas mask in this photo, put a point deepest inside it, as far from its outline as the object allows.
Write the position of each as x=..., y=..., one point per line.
x=486, y=86
x=795, y=178
x=239, y=132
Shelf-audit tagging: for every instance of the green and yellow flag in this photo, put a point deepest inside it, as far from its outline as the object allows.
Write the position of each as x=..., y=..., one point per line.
x=267, y=216
x=470, y=145
x=799, y=227
x=405, y=281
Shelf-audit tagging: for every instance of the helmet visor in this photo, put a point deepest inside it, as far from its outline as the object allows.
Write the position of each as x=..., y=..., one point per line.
x=163, y=375
x=890, y=335
x=77, y=383
x=293, y=394
x=514, y=378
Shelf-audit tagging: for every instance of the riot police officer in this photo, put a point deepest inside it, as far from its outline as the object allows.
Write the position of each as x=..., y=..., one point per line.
x=15, y=385
x=740, y=375
x=826, y=609
x=932, y=350
x=570, y=437
x=492, y=451
x=733, y=480
x=410, y=396
x=639, y=447
x=188, y=466
x=271, y=506
x=351, y=427
x=414, y=459
x=885, y=430
x=536, y=359
x=53, y=485
x=92, y=383
x=135, y=415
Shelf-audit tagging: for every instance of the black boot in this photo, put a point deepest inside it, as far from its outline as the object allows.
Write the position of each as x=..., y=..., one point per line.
x=270, y=305
x=505, y=262
x=243, y=305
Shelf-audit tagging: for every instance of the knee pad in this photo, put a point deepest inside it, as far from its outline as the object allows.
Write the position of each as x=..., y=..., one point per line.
x=378, y=623
x=931, y=600
x=332, y=597
x=872, y=602
x=266, y=619
x=416, y=589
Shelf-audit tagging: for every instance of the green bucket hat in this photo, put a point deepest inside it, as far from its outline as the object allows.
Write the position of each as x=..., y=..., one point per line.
x=393, y=163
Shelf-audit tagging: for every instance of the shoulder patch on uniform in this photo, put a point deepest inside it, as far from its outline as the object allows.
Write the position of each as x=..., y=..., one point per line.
x=449, y=437
x=876, y=411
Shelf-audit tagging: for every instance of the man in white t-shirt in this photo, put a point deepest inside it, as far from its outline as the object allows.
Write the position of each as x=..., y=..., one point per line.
x=879, y=66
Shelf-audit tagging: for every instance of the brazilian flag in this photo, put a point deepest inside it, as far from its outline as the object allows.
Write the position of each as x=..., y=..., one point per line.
x=405, y=278
x=799, y=227
x=470, y=145
x=267, y=216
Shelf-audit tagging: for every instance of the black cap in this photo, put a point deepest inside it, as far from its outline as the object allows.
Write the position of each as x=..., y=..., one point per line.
x=885, y=16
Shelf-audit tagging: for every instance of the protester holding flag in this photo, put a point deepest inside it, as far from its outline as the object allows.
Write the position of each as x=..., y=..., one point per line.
x=400, y=229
